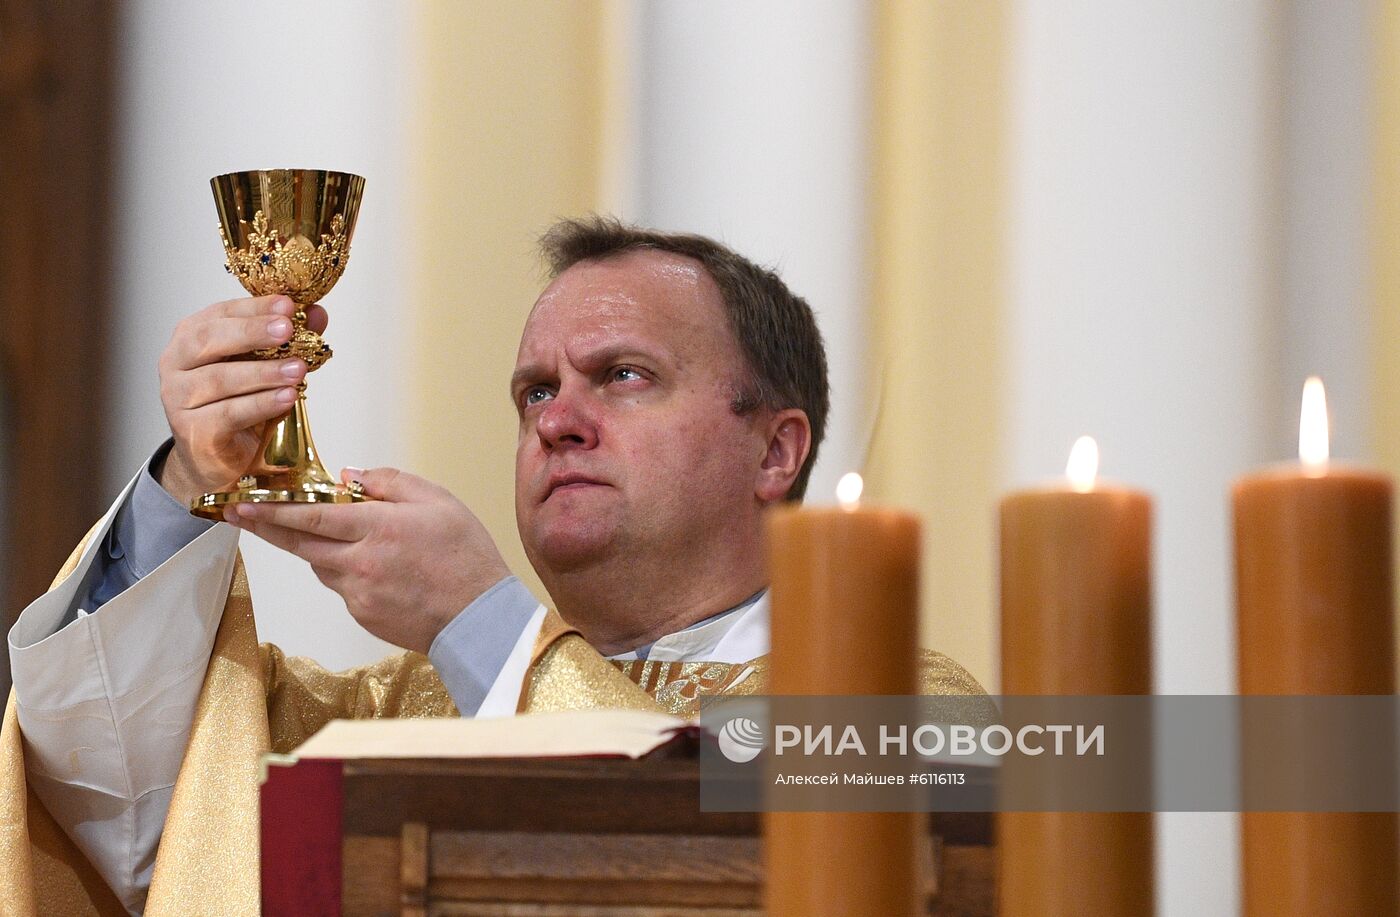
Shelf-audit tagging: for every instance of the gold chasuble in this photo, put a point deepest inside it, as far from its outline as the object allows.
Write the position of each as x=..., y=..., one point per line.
x=254, y=699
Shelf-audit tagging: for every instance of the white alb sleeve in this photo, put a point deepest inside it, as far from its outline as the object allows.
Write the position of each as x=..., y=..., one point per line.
x=106, y=702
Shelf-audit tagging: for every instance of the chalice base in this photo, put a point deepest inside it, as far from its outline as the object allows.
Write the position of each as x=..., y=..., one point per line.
x=287, y=471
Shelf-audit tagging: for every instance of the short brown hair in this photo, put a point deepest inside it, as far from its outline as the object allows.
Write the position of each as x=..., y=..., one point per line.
x=776, y=330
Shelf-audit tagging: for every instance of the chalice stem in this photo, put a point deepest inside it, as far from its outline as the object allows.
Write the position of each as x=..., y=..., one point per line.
x=287, y=458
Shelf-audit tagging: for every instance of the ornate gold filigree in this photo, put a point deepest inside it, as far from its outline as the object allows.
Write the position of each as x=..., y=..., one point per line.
x=293, y=267
x=305, y=343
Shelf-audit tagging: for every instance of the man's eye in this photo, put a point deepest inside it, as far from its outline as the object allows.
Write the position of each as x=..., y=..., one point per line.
x=625, y=374
x=535, y=394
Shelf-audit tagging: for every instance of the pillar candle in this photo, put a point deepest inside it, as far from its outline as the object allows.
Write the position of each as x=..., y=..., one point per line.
x=845, y=598
x=1315, y=616
x=1076, y=601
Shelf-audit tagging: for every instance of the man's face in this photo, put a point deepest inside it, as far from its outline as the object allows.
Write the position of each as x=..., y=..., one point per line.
x=624, y=383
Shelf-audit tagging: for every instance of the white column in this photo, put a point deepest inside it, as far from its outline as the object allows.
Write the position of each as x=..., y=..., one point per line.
x=750, y=127
x=1327, y=187
x=208, y=89
x=1144, y=242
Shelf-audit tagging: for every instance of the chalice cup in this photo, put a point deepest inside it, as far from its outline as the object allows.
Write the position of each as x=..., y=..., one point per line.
x=286, y=231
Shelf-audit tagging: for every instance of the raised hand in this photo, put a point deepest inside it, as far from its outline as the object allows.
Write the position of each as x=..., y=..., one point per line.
x=217, y=401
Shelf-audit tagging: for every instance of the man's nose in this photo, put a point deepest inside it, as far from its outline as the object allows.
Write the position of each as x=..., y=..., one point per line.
x=567, y=421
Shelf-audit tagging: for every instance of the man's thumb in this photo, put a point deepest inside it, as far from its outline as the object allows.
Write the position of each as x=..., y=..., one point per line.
x=389, y=484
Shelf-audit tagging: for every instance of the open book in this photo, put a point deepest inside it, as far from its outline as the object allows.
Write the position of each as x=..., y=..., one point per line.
x=572, y=734
x=348, y=819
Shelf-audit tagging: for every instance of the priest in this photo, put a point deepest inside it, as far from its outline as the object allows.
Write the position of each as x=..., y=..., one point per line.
x=668, y=390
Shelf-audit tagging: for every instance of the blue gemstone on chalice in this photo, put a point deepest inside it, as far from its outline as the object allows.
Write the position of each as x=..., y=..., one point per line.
x=265, y=259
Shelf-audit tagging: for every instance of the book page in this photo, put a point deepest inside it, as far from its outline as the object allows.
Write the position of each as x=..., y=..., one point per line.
x=580, y=733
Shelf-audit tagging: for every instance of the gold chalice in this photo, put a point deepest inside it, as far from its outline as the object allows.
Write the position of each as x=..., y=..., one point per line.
x=286, y=231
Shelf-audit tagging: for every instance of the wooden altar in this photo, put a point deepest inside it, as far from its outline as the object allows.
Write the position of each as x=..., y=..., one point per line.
x=577, y=837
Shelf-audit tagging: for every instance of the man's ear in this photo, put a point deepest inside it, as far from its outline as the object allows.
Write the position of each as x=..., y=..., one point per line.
x=789, y=439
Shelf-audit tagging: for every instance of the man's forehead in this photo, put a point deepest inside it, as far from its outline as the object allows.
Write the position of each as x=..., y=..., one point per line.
x=626, y=277
x=637, y=290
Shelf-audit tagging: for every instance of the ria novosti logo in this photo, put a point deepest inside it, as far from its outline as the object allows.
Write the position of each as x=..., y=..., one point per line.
x=741, y=740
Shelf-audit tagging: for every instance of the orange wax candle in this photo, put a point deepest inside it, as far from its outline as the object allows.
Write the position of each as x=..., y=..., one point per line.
x=1076, y=603
x=1315, y=616
x=845, y=600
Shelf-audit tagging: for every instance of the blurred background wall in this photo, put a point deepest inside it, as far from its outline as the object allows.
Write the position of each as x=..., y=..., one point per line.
x=1018, y=220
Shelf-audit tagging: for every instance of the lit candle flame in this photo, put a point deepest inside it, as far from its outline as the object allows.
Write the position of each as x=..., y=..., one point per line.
x=848, y=490
x=1312, y=426
x=1083, y=464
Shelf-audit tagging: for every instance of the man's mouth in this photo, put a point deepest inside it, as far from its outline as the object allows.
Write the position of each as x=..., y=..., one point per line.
x=567, y=482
